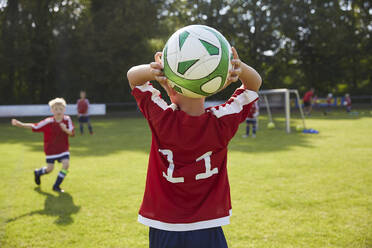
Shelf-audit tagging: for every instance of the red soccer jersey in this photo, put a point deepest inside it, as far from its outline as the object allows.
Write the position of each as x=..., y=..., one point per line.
x=254, y=111
x=348, y=101
x=55, y=140
x=187, y=186
x=83, y=106
x=308, y=95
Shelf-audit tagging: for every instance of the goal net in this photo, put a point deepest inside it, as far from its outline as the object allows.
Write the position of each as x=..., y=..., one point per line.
x=281, y=98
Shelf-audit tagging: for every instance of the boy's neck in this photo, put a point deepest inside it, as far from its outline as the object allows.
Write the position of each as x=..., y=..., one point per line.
x=191, y=106
x=58, y=119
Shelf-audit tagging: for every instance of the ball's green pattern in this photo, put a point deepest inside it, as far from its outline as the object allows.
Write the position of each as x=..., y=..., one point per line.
x=195, y=85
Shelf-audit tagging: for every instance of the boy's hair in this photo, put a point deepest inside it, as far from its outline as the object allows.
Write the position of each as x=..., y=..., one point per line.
x=57, y=101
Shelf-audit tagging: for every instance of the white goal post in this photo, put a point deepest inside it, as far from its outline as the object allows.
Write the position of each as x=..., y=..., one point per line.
x=287, y=105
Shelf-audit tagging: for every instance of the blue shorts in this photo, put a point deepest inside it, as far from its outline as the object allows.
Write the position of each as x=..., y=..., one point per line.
x=84, y=119
x=59, y=158
x=203, y=238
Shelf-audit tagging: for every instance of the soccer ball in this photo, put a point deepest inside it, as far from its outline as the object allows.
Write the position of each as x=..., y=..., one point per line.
x=299, y=128
x=197, y=60
x=270, y=125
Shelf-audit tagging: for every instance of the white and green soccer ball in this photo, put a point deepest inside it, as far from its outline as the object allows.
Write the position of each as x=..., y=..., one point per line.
x=197, y=60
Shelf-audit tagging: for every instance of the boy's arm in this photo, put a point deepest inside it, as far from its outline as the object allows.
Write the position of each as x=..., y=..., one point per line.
x=139, y=75
x=18, y=123
x=250, y=78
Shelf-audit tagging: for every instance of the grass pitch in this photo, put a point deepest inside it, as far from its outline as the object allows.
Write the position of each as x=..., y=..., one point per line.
x=288, y=190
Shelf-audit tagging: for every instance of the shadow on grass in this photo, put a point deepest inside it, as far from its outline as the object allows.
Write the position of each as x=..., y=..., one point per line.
x=61, y=206
x=113, y=135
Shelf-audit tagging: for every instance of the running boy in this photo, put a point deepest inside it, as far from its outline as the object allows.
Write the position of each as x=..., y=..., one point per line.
x=82, y=108
x=187, y=194
x=252, y=120
x=56, y=130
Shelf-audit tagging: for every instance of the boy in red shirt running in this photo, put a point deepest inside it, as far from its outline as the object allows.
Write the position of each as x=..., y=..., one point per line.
x=187, y=194
x=83, y=116
x=56, y=131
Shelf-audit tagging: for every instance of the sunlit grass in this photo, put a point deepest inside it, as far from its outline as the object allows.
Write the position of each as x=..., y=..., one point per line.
x=288, y=190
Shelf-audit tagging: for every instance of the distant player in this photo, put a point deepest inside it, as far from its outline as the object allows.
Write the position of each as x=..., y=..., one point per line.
x=252, y=120
x=308, y=97
x=187, y=195
x=329, y=103
x=56, y=131
x=347, y=103
x=83, y=116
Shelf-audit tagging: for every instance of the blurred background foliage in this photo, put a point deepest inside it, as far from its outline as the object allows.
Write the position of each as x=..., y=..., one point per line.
x=52, y=48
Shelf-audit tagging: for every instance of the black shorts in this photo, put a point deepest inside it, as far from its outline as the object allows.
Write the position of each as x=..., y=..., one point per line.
x=84, y=119
x=203, y=238
x=307, y=104
x=59, y=158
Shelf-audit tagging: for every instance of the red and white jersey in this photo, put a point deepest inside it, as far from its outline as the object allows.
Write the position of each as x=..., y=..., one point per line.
x=83, y=106
x=55, y=139
x=254, y=111
x=187, y=186
x=348, y=101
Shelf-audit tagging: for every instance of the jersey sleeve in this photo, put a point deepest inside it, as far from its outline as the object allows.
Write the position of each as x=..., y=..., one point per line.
x=70, y=124
x=150, y=103
x=234, y=111
x=41, y=126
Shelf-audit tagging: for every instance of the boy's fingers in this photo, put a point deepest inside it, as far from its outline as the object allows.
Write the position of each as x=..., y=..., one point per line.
x=235, y=53
x=157, y=72
x=233, y=79
x=161, y=80
x=235, y=72
x=156, y=65
x=157, y=57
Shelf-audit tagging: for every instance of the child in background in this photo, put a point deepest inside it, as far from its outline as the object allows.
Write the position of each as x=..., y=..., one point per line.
x=83, y=116
x=187, y=194
x=329, y=103
x=308, y=101
x=252, y=120
x=347, y=103
x=56, y=131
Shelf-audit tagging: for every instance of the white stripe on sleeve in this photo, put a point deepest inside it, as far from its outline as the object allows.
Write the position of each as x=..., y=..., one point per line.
x=237, y=104
x=155, y=97
x=42, y=123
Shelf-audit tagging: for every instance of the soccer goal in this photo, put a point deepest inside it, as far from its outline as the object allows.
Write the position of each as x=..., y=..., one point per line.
x=281, y=98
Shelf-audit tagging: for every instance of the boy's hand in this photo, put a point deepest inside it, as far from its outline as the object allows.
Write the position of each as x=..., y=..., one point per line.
x=236, y=69
x=63, y=126
x=15, y=122
x=157, y=69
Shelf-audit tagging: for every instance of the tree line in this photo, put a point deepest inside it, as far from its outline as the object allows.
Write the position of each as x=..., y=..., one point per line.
x=52, y=48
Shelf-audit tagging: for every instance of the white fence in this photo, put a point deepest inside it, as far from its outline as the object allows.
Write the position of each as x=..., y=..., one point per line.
x=44, y=110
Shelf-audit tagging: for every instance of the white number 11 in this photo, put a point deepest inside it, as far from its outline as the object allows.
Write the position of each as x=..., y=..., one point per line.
x=207, y=163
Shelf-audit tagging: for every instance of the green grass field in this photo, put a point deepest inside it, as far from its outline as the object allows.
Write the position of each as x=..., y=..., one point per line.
x=296, y=190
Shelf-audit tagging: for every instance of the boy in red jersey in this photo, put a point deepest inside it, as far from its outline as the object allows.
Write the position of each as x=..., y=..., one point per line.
x=252, y=120
x=187, y=194
x=308, y=101
x=82, y=109
x=56, y=130
x=347, y=103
